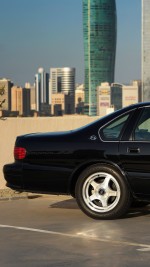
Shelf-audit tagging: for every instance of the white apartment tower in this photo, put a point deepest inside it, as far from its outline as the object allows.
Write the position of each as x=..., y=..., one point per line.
x=62, y=80
x=146, y=50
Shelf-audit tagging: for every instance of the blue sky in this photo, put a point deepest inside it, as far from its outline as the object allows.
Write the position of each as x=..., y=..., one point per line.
x=48, y=33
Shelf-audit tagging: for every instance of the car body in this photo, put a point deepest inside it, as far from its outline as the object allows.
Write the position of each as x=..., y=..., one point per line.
x=105, y=165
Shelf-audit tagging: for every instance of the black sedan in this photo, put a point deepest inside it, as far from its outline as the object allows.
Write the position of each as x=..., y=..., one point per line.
x=105, y=165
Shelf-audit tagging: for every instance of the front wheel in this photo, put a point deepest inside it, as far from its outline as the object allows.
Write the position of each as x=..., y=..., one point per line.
x=102, y=193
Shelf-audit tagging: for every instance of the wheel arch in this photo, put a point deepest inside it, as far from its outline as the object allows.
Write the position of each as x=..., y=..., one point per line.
x=81, y=168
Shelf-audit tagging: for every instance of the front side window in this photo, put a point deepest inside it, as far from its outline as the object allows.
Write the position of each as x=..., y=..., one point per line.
x=142, y=130
x=113, y=130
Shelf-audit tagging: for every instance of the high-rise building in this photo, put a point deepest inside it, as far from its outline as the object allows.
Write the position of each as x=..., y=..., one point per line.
x=32, y=95
x=116, y=95
x=139, y=83
x=99, y=31
x=79, y=99
x=130, y=94
x=42, y=89
x=16, y=99
x=62, y=80
x=146, y=50
x=125, y=95
x=26, y=102
x=20, y=100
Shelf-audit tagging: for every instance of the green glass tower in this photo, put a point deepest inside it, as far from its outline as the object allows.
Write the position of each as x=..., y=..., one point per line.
x=99, y=32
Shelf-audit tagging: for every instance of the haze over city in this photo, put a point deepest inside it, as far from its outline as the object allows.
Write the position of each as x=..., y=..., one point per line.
x=49, y=33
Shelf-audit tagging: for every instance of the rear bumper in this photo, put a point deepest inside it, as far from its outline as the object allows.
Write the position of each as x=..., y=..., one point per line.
x=36, y=178
x=13, y=175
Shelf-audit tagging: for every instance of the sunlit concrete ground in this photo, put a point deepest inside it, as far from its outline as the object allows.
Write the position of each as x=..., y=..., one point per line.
x=52, y=231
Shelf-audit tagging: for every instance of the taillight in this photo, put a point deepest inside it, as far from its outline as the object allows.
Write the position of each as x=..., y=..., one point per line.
x=19, y=153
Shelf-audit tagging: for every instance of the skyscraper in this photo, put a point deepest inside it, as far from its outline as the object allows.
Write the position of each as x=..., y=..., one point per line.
x=42, y=89
x=146, y=50
x=99, y=32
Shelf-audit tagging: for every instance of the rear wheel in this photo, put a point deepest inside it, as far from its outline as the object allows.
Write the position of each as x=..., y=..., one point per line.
x=102, y=193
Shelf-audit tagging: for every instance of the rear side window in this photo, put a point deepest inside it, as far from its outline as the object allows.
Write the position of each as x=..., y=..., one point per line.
x=142, y=130
x=112, y=131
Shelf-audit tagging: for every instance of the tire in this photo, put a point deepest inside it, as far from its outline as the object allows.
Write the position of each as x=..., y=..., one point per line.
x=102, y=193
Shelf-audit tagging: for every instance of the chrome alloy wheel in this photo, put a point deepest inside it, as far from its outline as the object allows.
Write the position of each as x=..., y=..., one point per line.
x=101, y=192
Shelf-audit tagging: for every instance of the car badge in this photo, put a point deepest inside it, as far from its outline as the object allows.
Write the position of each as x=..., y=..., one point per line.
x=93, y=137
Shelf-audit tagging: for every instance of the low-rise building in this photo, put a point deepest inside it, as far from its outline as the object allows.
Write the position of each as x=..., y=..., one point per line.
x=103, y=99
x=58, y=104
x=5, y=94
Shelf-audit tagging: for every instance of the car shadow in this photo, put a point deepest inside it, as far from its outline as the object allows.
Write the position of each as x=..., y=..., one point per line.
x=34, y=196
x=138, y=212
x=132, y=213
x=65, y=204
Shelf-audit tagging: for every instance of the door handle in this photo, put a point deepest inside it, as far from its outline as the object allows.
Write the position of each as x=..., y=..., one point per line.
x=133, y=150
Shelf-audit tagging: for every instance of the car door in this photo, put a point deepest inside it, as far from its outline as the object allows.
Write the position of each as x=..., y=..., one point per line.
x=134, y=150
x=110, y=135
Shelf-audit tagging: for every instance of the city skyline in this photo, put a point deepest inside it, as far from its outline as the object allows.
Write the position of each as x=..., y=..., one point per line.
x=50, y=34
